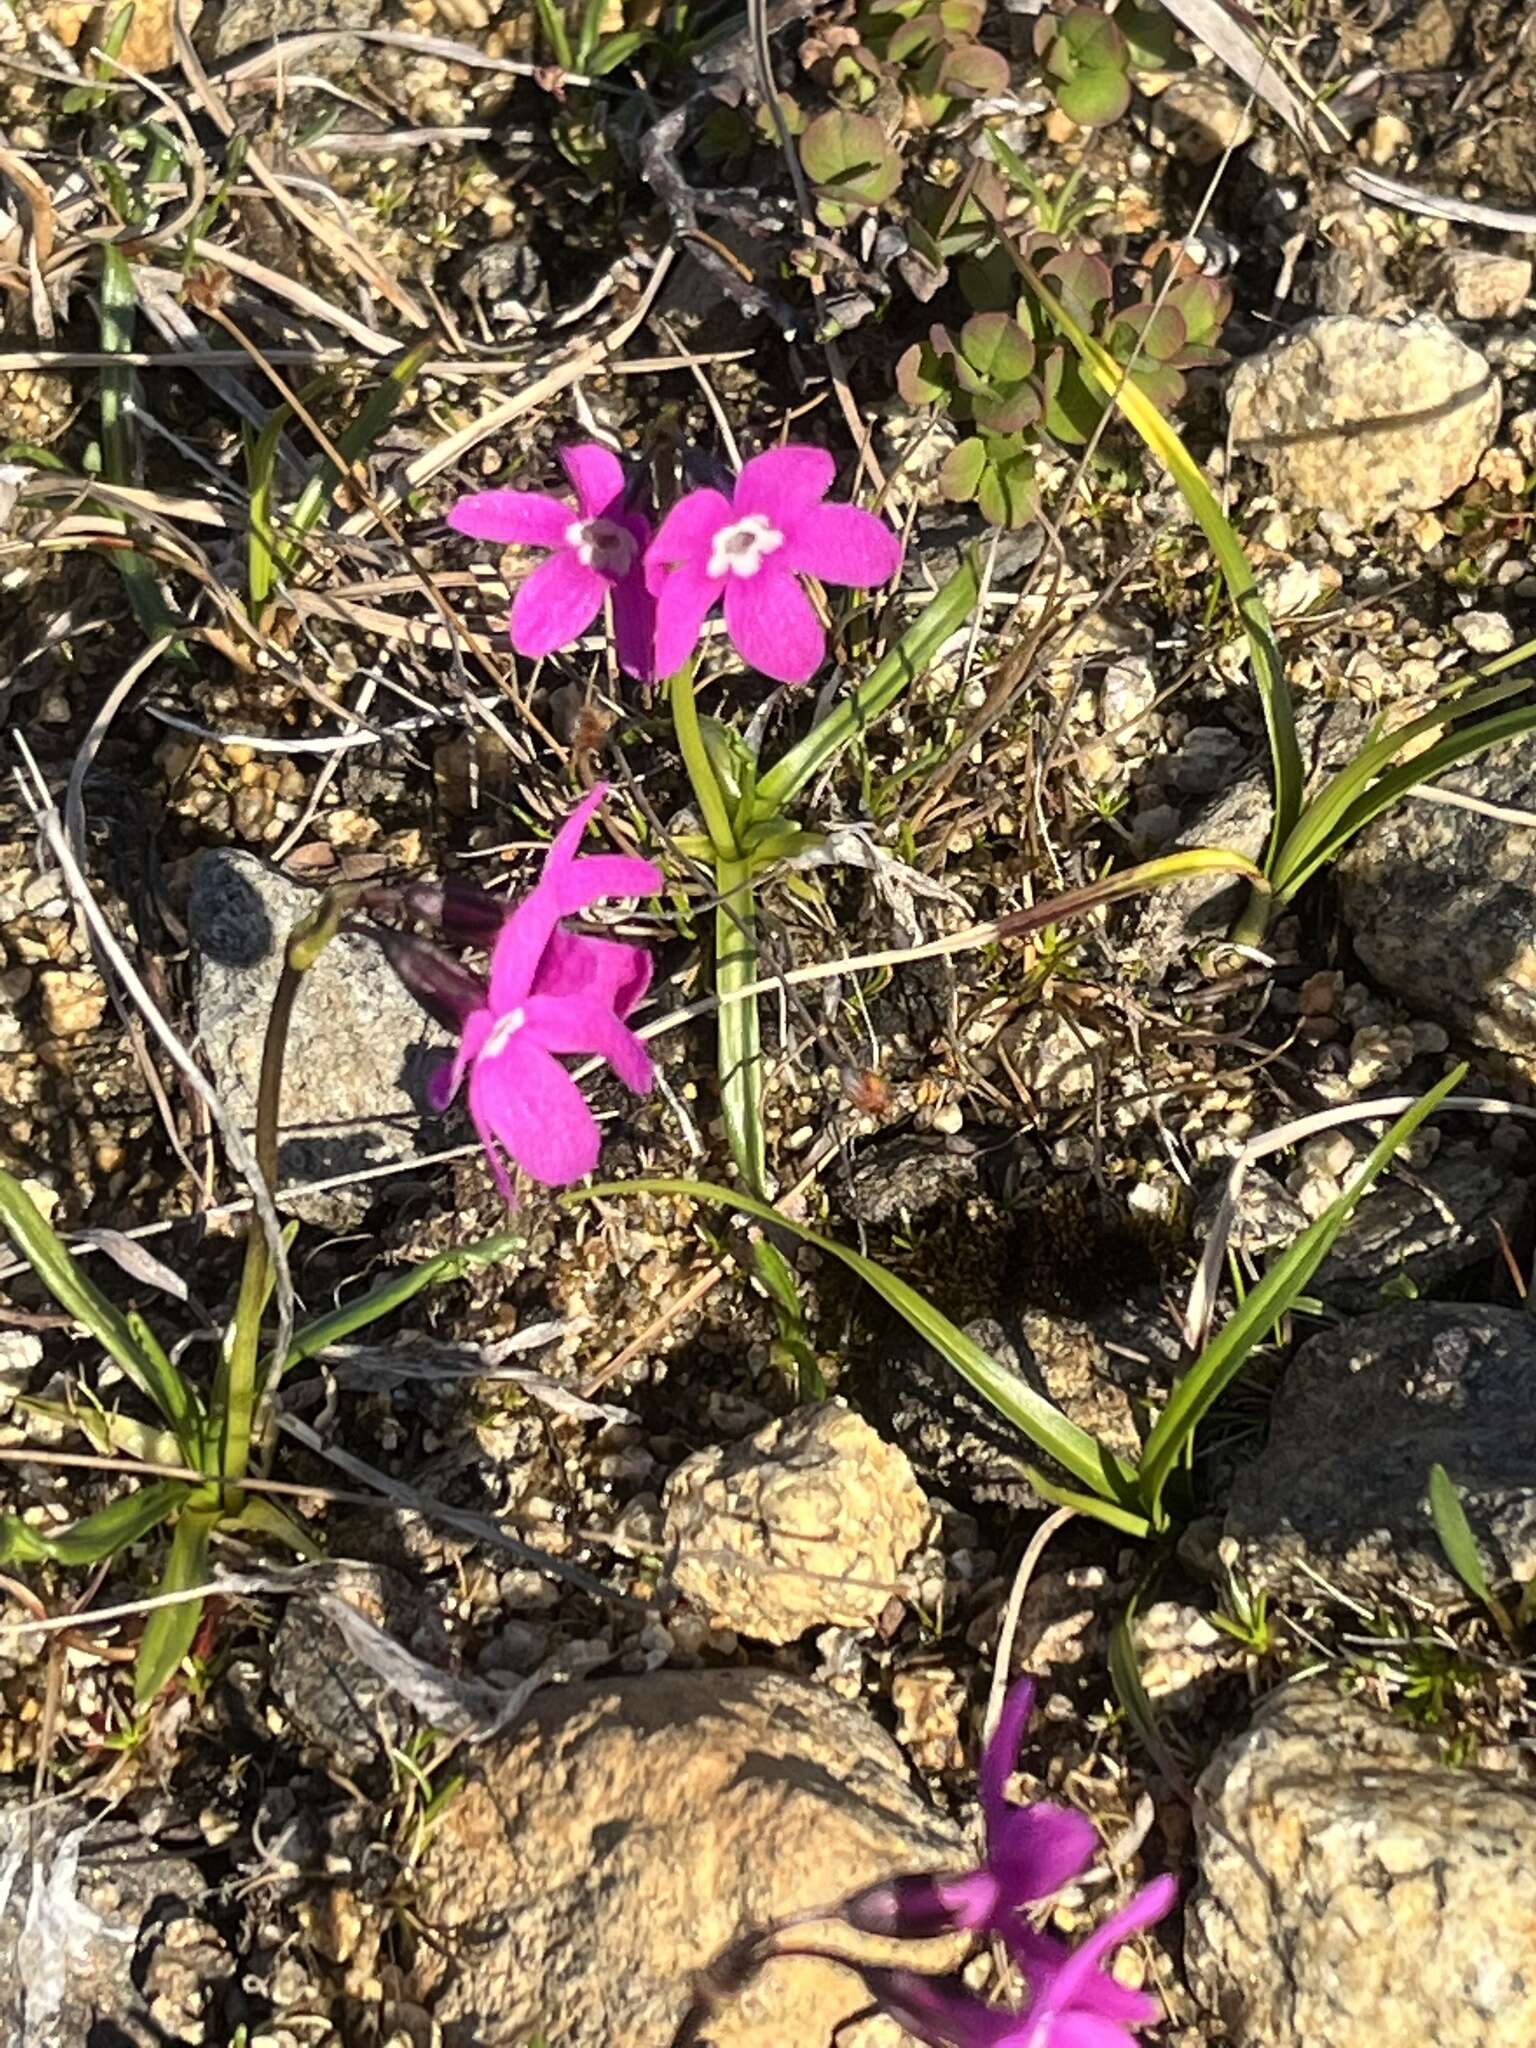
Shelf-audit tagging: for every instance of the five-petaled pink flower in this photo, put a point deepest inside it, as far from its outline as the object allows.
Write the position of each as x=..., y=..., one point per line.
x=599, y=547
x=749, y=549
x=552, y=992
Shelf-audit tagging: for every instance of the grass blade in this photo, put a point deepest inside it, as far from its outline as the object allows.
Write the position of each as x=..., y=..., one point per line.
x=261, y=537
x=1041, y=1421
x=906, y=663
x=100, y=1535
x=119, y=311
x=1263, y=1306
x=315, y=1337
x=352, y=444
x=148, y=1367
x=169, y=1632
x=1225, y=544
x=1460, y=1547
x=739, y=1026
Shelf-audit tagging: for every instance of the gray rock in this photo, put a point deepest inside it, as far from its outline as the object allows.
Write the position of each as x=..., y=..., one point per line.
x=1339, y=1494
x=1424, y=1230
x=629, y=1831
x=337, y=1702
x=244, y=23
x=358, y=1046
x=907, y=1173
x=1441, y=902
x=101, y=1939
x=1355, y=1892
x=1366, y=418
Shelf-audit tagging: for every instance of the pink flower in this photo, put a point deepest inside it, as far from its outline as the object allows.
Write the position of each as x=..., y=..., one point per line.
x=1032, y=1851
x=599, y=546
x=749, y=549
x=552, y=993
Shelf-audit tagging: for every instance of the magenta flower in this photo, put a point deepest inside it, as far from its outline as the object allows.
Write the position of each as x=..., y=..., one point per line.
x=551, y=993
x=599, y=547
x=749, y=550
x=1032, y=1851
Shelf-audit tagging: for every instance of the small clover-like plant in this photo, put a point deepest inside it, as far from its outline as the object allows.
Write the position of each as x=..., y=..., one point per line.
x=850, y=163
x=931, y=48
x=1013, y=377
x=1086, y=63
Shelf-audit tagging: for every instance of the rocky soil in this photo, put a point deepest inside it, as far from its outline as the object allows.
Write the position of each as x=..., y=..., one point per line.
x=620, y=1650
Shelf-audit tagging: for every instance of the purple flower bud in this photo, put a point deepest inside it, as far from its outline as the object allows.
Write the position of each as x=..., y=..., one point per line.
x=917, y=1908
x=465, y=914
x=446, y=990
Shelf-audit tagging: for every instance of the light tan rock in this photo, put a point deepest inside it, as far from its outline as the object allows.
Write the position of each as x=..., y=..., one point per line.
x=1485, y=285
x=74, y=1001
x=804, y=1525
x=1199, y=115
x=150, y=44
x=1354, y=1891
x=628, y=1832
x=1366, y=418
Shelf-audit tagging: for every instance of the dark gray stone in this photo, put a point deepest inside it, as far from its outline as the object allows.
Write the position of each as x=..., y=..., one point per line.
x=336, y=1702
x=906, y=1174
x=1441, y=902
x=1339, y=1496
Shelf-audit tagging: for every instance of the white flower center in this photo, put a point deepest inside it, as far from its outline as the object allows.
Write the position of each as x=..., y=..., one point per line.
x=603, y=545
x=739, y=549
x=501, y=1031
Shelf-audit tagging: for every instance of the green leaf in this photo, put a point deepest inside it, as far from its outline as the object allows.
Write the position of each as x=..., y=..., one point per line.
x=1085, y=57
x=1150, y=43
x=352, y=445
x=552, y=21
x=169, y=1632
x=119, y=312
x=261, y=538
x=848, y=159
x=962, y=470
x=1006, y=494
x=104, y=1534
x=997, y=348
x=1268, y=668
x=1275, y=1295
x=313, y=1338
x=263, y=1517
x=906, y=663
x=1040, y=1420
x=922, y=377
x=149, y=1369
x=739, y=1037
x=1460, y=1547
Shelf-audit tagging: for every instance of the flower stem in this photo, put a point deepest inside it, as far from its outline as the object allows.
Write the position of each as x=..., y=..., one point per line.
x=701, y=773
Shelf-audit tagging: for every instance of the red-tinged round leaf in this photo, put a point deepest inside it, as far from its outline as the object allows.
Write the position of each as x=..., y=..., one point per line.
x=962, y=472
x=1006, y=494
x=971, y=71
x=1082, y=282
x=920, y=377
x=1087, y=61
x=962, y=17
x=1010, y=412
x=1161, y=383
x=1148, y=333
x=914, y=38
x=996, y=348
x=849, y=159
x=1072, y=407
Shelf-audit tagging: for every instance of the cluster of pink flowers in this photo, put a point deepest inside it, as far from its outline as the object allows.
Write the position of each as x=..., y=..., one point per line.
x=550, y=993
x=1032, y=1851
x=746, y=552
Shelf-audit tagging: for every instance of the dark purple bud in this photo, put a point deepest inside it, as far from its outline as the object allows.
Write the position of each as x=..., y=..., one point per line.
x=464, y=914
x=916, y=1908
x=444, y=988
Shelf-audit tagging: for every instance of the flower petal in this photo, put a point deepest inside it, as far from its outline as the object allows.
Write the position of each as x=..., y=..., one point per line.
x=596, y=474
x=784, y=483
x=528, y=519
x=683, y=600
x=518, y=951
x=842, y=544
x=603, y=970
x=1035, y=1850
x=443, y=1082
x=942, y=2012
x=583, y=1024
x=1086, y=2030
x=555, y=605
x=772, y=625
x=687, y=533
x=1149, y=1904
x=634, y=626
x=524, y=1100
x=1000, y=1758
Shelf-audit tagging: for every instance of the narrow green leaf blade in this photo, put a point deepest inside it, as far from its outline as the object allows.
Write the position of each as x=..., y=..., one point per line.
x=312, y=1338
x=150, y=1371
x=104, y=1534
x=1040, y=1420
x=1460, y=1547
x=169, y=1632
x=352, y=445
x=1263, y=1306
x=906, y=663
